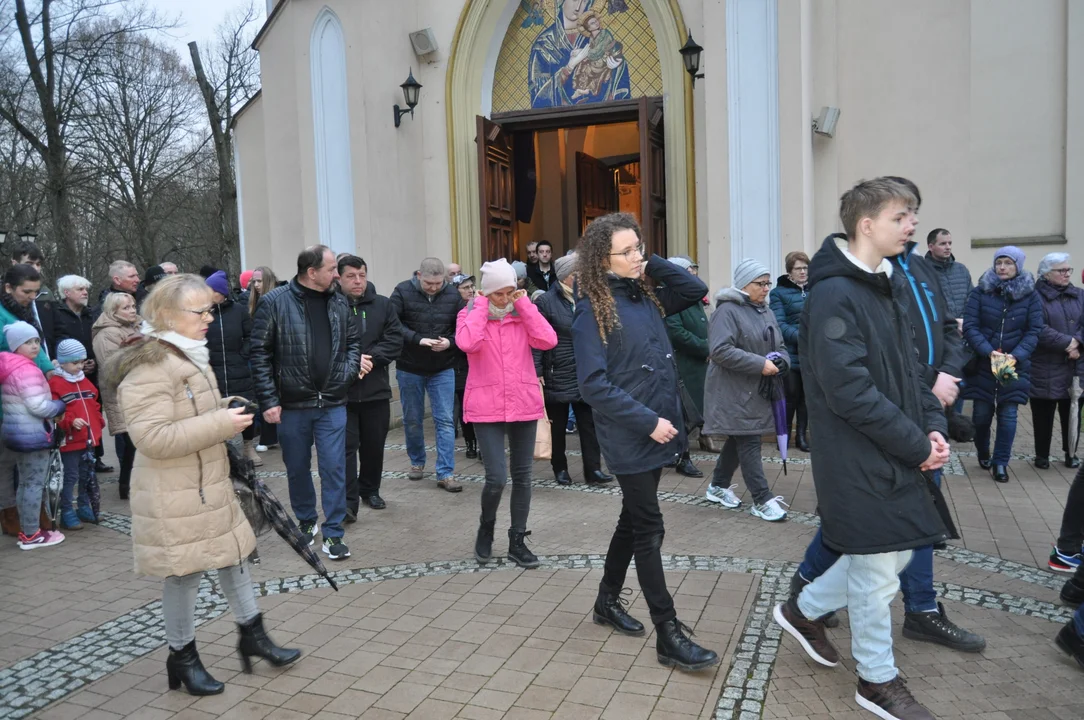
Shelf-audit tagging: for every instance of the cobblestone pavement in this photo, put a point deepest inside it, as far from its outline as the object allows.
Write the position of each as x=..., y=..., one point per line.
x=418, y=630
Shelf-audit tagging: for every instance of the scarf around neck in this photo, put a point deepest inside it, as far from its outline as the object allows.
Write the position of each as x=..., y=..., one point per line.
x=77, y=378
x=496, y=313
x=195, y=350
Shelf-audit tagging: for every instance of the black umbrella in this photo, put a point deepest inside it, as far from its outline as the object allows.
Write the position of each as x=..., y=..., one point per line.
x=264, y=511
x=93, y=489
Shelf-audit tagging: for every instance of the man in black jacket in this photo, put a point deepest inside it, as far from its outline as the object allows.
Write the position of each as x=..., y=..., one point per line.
x=878, y=428
x=305, y=355
x=542, y=273
x=427, y=306
x=368, y=406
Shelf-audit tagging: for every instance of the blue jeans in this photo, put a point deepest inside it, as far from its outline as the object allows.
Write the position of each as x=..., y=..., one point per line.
x=916, y=581
x=1078, y=621
x=77, y=468
x=326, y=428
x=983, y=417
x=865, y=584
x=441, y=390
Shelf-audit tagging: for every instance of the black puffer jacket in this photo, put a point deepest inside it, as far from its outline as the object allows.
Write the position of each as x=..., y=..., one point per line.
x=66, y=324
x=869, y=409
x=381, y=337
x=424, y=317
x=228, y=340
x=632, y=380
x=281, y=365
x=558, y=366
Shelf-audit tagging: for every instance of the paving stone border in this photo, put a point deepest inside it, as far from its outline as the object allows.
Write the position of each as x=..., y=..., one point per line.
x=52, y=674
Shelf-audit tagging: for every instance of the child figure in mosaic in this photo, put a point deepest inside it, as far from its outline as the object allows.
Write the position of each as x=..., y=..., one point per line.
x=603, y=52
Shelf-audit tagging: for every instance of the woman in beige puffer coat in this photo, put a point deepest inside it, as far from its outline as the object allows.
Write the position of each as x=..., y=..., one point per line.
x=185, y=515
x=117, y=324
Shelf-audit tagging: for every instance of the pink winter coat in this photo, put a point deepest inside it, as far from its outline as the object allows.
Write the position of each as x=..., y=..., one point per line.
x=501, y=384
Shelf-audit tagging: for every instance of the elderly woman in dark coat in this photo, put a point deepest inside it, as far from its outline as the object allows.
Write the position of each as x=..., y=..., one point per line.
x=787, y=301
x=1056, y=359
x=688, y=332
x=1003, y=316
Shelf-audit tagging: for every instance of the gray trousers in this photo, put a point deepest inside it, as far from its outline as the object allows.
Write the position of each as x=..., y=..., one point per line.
x=521, y=454
x=743, y=450
x=179, y=595
x=33, y=467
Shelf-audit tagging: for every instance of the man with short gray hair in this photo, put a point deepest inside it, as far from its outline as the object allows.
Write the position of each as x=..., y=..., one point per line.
x=123, y=277
x=427, y=306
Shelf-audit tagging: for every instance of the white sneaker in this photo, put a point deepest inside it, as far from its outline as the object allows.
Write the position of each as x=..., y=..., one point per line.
x=724, y=496
x=770, y=510
x=261, y=448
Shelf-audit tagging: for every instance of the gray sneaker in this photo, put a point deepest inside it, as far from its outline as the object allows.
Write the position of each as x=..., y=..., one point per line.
x=417, y=472
x=724, y=496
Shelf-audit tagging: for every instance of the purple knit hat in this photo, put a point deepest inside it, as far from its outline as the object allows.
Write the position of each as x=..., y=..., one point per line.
x=1013, y=253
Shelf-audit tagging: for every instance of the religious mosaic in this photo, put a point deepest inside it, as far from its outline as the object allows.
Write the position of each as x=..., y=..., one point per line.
x=559, y=53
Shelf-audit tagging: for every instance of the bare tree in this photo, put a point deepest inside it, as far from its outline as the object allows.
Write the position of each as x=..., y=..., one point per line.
x=230, y=78
x=145, y=128
x=61, y=42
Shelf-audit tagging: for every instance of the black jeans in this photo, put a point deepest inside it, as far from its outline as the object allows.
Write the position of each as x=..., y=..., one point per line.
x=468, y=428
x=521, y=458
x=585, y=425
x=366, y=431
x=1071, y=537
x=639, y=533
x=269, y=434
x=126, y=453
x=1042, y=415
x=795, y=393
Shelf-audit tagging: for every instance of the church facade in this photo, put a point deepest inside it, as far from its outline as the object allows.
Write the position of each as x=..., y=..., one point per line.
x=536, y=116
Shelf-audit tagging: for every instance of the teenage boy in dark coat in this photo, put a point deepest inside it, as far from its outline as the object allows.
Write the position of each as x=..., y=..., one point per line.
x=368, y=403
x=878, y=429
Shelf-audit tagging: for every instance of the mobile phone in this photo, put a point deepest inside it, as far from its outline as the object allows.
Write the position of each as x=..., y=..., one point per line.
x=250, y=407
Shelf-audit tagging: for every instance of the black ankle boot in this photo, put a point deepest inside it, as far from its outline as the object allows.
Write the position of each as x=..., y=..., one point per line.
x=1042, y=463
x=1071, y=461
x=184, y=666
x=609, y=610
x=803, y=438
x=1071, y=643
x=984, y=460
x=1072, y=592
x=472, y=450
x=674, y=649
x=685, y=467
x=483, y=543
x=1000, y=473
x=517, y=550
x=254, y=642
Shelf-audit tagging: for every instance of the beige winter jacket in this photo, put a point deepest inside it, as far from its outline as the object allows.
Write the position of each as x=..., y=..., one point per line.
x=108, y=334
x=185, y=515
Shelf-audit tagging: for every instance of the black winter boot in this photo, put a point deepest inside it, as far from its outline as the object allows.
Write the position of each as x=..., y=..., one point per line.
x=184, y=666
x=483, y=543
x=609, y=610
x=1000, y=473
x=254, y=642
x=674, y=649
x=517, y=549
x=1072, y=592
x=802, y=441
x=472, y=450
x=685, y=467
x=1070, y=643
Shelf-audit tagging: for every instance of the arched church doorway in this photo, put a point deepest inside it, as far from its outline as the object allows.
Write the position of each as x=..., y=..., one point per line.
x=579, y=112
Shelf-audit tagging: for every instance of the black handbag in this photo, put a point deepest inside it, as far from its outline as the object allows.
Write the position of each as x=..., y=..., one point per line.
x=689, y=414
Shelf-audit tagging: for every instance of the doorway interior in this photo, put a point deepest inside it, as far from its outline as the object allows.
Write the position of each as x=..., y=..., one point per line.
x=547, y=174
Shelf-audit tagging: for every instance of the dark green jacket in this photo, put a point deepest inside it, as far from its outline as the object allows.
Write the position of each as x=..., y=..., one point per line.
x=688, y=332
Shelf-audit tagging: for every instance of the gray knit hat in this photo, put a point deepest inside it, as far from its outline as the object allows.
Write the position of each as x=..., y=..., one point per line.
x=747, y=271
x=683, y=262
x=18, y=333
x=565, y=266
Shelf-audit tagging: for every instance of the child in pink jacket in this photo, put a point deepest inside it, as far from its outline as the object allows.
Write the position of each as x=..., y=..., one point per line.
x=497, y=331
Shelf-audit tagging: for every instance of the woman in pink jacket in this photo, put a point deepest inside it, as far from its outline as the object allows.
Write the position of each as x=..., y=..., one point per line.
x=497, y=331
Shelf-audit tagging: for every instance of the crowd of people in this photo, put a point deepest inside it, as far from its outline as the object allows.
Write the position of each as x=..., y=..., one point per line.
x=873, y=346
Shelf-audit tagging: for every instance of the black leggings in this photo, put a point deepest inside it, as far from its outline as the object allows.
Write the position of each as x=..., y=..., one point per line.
x=468, y=428
x=1042, y=415
x=126, y=453
x=521, y=436
x=795, y=392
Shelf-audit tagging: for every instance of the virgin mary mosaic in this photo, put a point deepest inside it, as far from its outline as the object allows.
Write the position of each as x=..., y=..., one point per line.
x=578, y=59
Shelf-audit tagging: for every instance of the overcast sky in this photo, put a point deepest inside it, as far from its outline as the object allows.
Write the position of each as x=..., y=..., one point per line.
x=199, y=18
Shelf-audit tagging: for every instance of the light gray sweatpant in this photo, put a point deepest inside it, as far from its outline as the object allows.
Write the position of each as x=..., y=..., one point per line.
x=179, y=595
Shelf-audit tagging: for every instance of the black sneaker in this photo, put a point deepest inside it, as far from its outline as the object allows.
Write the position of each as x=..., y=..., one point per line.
x=336, y=549
x=1070, y=643
x=935, y=627
x=351, y=516
x=308, y=529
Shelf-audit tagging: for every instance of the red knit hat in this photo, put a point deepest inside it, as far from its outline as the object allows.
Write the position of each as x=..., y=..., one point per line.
x=245, y=277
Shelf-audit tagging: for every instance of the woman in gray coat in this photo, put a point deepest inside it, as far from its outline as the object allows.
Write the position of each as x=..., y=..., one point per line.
x=743, y=331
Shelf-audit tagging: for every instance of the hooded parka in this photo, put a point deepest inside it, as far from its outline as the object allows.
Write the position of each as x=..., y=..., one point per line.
x=871, y=411
x=688, y=331
x=109, y=335
x=1052, y=371
x=228, y=339
x=185, y=513
x=741, y=335
x=557, y=366
x=787, y=300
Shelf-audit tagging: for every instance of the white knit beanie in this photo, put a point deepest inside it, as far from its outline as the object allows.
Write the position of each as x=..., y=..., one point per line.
x=497, y=275
x=18, y=333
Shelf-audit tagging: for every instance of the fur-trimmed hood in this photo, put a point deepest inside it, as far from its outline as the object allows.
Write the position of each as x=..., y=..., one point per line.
x=1016, y=288
x=137, y=351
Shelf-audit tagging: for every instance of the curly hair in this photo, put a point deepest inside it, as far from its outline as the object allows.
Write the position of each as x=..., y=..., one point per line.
x=593, y=269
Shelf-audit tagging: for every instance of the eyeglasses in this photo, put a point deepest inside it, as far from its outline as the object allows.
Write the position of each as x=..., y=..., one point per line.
x=1063, y=271
x=638, y=249
x=764, y=284
x=205, y=312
